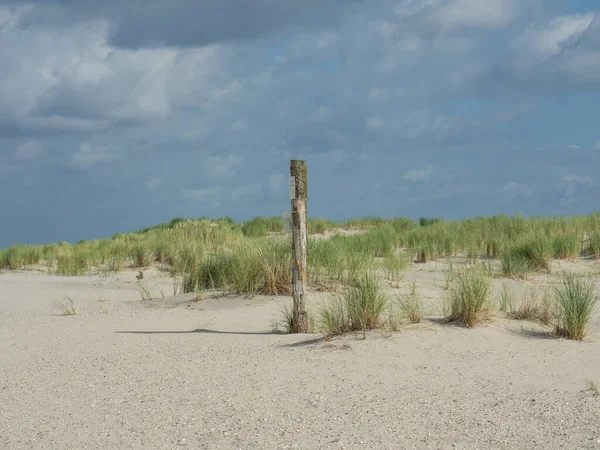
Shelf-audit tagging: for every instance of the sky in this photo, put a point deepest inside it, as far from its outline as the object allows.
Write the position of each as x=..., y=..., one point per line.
x=116, y=116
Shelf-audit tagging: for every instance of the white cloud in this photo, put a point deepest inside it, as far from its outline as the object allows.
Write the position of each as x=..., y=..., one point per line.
x=251, y=191
x=577, y=179
x=514, y=188
x=548, y=39
x=90, y=155
x=30, y=150
x=475, y=13
x=226, y=167
x=208, y=197
x=571, y=184
x=419, y=174
x=574, y=147
x=457, y=14
x=557, y=50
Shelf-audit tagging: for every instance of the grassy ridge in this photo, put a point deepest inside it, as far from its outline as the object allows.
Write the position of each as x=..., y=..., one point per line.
x=254, y=256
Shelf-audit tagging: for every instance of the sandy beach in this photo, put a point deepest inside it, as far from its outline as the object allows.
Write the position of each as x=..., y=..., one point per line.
x=174, y=372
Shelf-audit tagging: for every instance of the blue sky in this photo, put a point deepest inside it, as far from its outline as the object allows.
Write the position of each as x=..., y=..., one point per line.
x=114, y=118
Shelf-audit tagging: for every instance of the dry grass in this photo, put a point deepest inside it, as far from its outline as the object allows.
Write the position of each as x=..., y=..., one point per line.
x=67, y=306
x=535, y=307
x=592, y=387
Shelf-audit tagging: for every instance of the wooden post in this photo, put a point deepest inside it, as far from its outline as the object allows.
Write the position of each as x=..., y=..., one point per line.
x=299, y=196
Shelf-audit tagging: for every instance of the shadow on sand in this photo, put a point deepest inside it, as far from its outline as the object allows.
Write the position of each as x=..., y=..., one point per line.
x=202, y=330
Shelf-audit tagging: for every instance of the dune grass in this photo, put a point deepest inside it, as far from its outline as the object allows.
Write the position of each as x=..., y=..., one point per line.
x=536, y=306
x=575, y=303
x=253, y=257
x=469, y=296
x=359, y=308
x=411, y=305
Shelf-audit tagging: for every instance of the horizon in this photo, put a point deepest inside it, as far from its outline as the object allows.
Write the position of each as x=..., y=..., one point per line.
x=114, y=119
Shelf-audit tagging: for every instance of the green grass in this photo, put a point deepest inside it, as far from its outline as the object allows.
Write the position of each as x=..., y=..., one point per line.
x=507, y=300
x=575, y=302
x=567, y=246
x=253, y=257
x=359, y=308
x=411, y=305
x=469, y=296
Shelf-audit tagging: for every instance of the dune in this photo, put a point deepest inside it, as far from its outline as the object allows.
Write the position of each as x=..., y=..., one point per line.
x=180, y=371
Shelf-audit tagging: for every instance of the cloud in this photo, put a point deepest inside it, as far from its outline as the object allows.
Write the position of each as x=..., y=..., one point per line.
x=154, y=23
x=90, y=155
x=209, y=114
x=420, y=174
x=210, y=198
x=562, y=53
x=247, y=192
x=474, y=13
x=573, y=185
x=226, y=166
x=513, y=188
x=30, y=149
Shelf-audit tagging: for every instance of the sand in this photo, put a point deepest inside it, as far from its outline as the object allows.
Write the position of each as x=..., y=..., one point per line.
x=172, y=372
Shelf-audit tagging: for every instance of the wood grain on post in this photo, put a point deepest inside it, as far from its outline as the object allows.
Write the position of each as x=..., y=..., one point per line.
x=299, y=195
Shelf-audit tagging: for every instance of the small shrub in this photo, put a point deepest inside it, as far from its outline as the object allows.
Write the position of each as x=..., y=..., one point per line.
x=566, y=246
x=360, y=307
x=575, y=302
x=143, y=255
x=536, y=307
x=411, y=305
x=507, y=299
x=516, y=265
x=424, y=222
x=393, y=265
x=73, y=263
x=366, y=302
x=333, y=317
x=469, y=296
x=285, y=321
x=318, y=226
x=19, y=256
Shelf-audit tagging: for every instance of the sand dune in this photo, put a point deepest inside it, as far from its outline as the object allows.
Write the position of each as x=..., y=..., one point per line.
x=172, y=372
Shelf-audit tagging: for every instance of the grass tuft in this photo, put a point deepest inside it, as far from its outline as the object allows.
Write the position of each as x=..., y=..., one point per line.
x=575, y=302
x=67, y=306
x=592, y=387
x=469, y=296
x=359, y=308
x=411, y=306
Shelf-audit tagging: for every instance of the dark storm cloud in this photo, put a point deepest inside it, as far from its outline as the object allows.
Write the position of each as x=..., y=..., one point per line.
x=190, y=23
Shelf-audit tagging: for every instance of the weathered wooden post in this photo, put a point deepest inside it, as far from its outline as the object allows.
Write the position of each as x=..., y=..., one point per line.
x=299, y=196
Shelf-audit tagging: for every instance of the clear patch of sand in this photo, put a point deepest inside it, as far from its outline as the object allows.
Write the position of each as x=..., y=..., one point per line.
x=131, y=373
